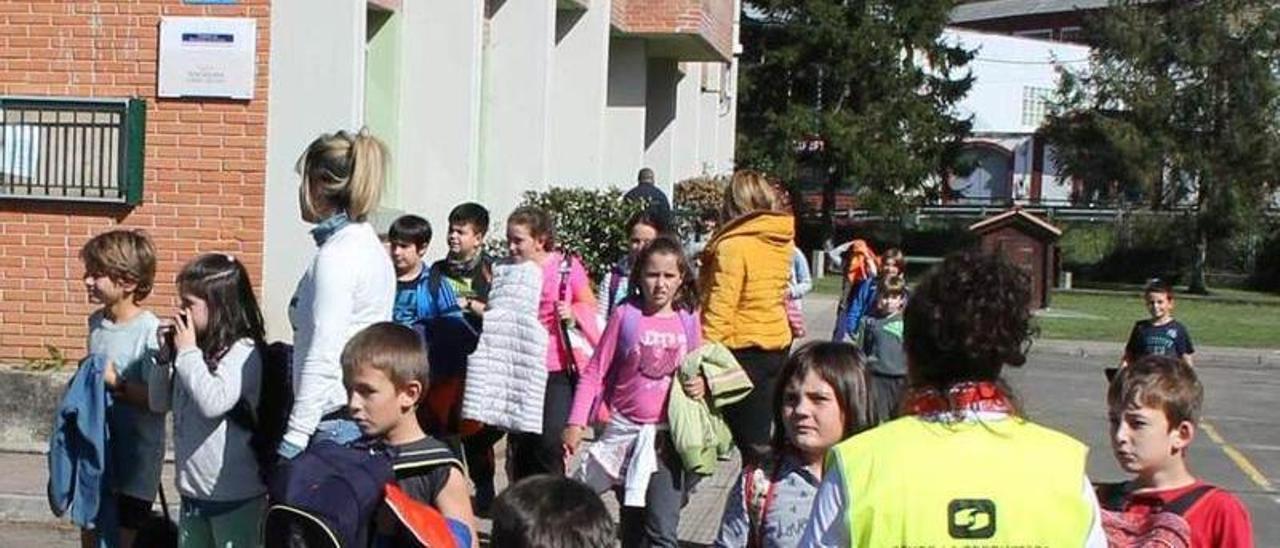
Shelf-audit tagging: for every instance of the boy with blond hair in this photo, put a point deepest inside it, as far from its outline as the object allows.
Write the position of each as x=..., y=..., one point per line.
x=119, y=272
x=384, y=368
x=1154, y=407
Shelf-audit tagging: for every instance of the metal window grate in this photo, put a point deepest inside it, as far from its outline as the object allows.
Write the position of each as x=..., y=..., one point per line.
x=72, y=149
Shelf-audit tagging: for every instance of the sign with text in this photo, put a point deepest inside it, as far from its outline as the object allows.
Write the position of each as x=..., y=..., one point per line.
x=207, y=57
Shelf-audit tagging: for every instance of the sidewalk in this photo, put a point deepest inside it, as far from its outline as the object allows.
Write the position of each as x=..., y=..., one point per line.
x=22, y=495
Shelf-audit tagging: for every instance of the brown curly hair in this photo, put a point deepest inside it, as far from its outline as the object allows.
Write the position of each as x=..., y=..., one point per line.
x=966, y=320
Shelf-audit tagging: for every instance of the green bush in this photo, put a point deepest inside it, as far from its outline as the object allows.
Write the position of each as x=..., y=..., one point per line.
x=1266, y=273
x=1084, y=244
x=697, y=199
x=589, y=223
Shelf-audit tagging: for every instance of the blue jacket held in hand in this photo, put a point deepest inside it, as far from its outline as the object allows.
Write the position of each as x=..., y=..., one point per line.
x=78, y=462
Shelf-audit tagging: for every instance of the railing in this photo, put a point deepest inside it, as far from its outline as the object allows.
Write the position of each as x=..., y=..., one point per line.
x=88, y=150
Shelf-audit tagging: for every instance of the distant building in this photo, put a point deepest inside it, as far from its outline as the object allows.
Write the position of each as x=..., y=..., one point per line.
x=1060, y=20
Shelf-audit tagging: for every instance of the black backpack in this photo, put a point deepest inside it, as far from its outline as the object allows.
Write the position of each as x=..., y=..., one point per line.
x=269, y=420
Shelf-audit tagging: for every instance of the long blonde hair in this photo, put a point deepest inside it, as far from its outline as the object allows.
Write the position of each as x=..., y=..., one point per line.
x=345, y=171
x=749, y=191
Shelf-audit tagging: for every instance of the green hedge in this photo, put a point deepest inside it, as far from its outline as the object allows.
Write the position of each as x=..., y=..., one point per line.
x=589, y=223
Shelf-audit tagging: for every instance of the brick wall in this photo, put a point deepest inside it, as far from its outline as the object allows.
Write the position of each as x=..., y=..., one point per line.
x=710, y=19
x=204, y=168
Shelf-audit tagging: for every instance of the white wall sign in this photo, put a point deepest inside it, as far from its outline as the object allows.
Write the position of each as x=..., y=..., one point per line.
x=207, y=57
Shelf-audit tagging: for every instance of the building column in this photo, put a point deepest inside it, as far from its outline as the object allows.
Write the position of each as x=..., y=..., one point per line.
x=625, y=111
x=579, y=85
x=516, y=101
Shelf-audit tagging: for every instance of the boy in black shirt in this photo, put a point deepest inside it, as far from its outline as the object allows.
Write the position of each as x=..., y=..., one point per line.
x=384, y=368
x=1160, y=335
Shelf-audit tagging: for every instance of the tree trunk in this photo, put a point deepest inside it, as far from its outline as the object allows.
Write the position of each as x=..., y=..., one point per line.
x=1197, y=284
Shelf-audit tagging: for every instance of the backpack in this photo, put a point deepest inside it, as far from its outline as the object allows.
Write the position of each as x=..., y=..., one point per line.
x=268, y=420
x=158, y=530
x=1165, y=528
x=419, y=518
x=630, y=318
x=327, y=496
x=758, y=485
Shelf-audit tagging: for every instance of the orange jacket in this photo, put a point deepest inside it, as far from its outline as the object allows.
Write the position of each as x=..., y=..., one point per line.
x=745, y=271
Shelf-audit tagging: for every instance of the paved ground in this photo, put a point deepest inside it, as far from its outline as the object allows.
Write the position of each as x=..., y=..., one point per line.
x=1238, y=447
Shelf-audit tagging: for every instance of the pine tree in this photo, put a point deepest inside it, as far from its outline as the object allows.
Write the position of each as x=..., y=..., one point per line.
x=1180, y=102
x=873, y=81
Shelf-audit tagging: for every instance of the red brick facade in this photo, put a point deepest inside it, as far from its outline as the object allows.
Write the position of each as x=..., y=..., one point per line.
x=711, y=20
x=204, y=176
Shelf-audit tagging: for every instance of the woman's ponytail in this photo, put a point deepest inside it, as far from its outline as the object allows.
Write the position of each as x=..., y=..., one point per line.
x=368, y=170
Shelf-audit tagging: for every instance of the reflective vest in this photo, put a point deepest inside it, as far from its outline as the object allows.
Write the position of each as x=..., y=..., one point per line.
x=1004, y=482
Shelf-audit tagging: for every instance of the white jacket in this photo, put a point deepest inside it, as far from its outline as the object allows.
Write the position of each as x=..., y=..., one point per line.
x=349, y=286
x=507, y=374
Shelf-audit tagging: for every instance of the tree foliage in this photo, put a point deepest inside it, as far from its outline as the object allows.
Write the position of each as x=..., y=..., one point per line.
x=1180, y=103
x=872, y=79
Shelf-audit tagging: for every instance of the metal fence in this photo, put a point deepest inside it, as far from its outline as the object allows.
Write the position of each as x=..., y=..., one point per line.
x=71, y=149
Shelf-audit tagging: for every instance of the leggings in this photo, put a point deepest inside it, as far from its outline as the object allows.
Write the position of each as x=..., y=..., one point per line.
x=751, y=420
x=533, y=454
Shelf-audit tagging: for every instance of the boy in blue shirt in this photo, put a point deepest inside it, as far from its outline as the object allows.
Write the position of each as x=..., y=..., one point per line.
x=119, y=272
x=1161, y=334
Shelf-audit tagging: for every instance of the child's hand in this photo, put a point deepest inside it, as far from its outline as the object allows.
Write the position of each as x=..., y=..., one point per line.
x=110, y=377
x=572, y=438
x=184, y=336
x=564, y=311
x=696, y=387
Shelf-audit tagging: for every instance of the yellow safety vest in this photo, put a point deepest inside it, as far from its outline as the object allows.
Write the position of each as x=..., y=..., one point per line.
x=1007, y=483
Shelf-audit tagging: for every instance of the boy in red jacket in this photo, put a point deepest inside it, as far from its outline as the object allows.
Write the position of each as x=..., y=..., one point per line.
x=1154, y=409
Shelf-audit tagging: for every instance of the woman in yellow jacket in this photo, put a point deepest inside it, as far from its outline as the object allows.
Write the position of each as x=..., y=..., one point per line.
x=746, y=269
x=963, y=466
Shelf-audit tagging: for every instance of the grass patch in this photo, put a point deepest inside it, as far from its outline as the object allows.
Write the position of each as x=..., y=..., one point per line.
x=1103, y=317
x=828, y=285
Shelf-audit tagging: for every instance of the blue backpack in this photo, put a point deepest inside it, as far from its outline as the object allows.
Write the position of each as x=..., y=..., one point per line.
x=327, y=496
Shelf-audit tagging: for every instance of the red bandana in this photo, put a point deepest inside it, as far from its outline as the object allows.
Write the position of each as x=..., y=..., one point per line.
x=976, y=397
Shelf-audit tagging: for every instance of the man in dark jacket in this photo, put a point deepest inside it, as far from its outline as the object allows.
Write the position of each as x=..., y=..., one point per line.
x=649, y=193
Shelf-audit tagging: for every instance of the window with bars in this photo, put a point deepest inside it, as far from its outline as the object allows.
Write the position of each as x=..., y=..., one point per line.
x=88, y=150
x=1035, y=105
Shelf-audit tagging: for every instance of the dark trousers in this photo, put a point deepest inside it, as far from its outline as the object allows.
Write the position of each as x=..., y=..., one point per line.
x=477, y=450
x=886, y=396
x=533, y=454
x=658, y=522
x=751, y=420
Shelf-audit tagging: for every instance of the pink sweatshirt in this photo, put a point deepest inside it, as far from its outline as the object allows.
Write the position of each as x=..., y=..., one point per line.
x=579, y=295
x=641, y=364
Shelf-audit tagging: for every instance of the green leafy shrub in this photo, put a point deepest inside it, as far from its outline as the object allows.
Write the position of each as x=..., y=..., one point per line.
x=698, y=199
x=54, y=361
x=589, y=223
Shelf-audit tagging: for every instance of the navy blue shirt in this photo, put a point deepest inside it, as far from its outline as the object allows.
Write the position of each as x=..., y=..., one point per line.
x=1171, y=339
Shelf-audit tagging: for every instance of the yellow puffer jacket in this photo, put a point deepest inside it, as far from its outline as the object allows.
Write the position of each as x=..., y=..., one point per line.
x=745, y=271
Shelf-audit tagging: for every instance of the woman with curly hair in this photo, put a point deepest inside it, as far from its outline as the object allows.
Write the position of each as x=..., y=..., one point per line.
x=963, y=465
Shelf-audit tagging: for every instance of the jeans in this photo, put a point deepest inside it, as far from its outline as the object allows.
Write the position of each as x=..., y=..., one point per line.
x=339, y=431
x=657, y=523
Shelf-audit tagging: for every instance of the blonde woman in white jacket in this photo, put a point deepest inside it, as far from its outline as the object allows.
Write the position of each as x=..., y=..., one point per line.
x=349, y=285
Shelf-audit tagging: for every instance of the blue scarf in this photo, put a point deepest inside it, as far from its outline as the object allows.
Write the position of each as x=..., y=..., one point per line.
x=329, y=227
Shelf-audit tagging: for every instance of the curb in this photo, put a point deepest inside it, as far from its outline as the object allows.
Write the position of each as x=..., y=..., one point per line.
x=1109, y=353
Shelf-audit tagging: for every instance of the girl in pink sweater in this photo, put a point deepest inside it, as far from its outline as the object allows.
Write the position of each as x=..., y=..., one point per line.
x=631, y=374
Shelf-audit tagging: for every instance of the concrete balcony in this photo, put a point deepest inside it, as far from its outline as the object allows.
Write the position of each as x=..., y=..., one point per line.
x=684, y=30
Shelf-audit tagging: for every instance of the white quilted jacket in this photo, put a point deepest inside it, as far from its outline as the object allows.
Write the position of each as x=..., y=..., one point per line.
x=507, y=374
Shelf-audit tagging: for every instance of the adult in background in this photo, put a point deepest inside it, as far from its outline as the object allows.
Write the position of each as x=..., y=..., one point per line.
x=349, y=285
x=746, y=271
x=646, y=191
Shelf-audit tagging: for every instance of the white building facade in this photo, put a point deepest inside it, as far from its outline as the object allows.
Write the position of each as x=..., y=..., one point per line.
x=483, y=100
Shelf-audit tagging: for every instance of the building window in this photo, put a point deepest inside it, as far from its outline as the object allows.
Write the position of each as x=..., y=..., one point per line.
x=1040, y=34
x=1035, y=105
x=1070, y=34
x=86, y=150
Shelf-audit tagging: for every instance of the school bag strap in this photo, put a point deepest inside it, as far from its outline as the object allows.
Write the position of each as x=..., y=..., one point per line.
x=757, y=504
x=1111, y=496
x=419, y=461
x=1185, y=501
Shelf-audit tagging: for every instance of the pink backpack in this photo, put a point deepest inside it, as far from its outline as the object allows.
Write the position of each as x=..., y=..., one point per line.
x=1163, y=528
